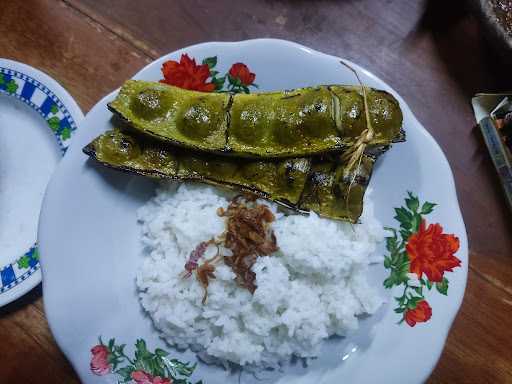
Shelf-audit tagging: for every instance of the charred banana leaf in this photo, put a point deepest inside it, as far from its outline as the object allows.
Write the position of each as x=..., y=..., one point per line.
x=300, y=122
x=281, y=180
x=332, y=193
x=299, y=183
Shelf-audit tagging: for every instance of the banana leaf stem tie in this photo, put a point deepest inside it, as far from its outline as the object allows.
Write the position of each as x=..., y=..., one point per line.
x=354, y=154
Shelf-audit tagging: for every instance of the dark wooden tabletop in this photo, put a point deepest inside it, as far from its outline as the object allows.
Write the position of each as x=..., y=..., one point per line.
x=433, y=53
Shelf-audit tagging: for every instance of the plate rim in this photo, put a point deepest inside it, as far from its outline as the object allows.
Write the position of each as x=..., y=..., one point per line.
x=450, y=181
x=17, y=283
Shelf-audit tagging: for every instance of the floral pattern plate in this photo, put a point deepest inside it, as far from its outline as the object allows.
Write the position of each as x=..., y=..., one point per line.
x=38, y=118
x=89, y=263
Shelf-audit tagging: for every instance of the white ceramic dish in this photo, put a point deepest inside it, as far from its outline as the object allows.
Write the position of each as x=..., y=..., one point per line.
x=89, y=240
x=37, y=120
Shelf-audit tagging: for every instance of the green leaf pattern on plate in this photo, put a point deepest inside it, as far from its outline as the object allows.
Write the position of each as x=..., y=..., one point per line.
x=145, y=366
x=54, y=123
x=28, y=259
x=418, y=256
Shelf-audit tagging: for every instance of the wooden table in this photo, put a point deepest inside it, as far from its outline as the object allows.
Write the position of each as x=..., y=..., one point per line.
x=431, y=52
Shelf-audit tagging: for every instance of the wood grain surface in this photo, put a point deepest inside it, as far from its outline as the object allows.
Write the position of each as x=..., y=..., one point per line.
x=432, y=52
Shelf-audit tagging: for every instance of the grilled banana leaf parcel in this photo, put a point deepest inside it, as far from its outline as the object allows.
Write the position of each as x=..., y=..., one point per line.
x=294, y=123
x=306, y=184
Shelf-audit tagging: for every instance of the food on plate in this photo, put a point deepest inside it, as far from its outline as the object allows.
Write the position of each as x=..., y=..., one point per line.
x=224, y=273
x=282, y=180
x=247, y=236
x=306, y=184
x=314, y=285
x=311, y=149
x=299, y=122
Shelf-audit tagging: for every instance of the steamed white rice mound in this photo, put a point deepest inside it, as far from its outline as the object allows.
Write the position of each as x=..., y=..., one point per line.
x=315, y=286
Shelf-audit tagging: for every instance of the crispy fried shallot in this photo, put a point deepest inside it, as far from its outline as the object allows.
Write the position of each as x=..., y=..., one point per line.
x=248, y=235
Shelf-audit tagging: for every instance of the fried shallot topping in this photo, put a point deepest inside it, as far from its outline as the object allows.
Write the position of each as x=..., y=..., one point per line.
x=204, y=272
x=248, y=235
x=194, y=257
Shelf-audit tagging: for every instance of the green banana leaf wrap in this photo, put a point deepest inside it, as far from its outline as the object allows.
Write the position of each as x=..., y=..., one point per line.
x=300, y=183
x=294, y=123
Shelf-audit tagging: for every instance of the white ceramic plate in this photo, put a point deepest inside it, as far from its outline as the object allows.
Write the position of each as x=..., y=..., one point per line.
x=89, y=240
x=37, y=120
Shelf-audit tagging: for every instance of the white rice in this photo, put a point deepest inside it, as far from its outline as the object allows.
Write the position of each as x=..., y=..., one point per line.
x=314, y=287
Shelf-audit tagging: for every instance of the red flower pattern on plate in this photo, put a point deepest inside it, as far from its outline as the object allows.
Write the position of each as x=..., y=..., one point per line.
x=420, y=314
x=204, y=77
x=187, y=74
x=99, y=363
x=141, y=377
x=432, y=252
x=419, y=256
x=241, y=72
x=146, y=367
